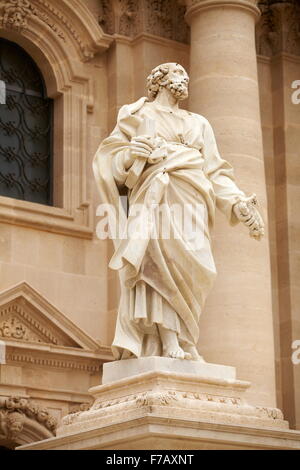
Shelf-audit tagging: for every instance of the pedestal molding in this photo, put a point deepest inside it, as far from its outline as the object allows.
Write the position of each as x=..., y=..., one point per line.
x=171, y=394
x=143, y=432
x=159, y=410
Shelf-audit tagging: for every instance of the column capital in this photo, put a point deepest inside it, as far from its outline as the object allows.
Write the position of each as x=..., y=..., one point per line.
x=195, y=6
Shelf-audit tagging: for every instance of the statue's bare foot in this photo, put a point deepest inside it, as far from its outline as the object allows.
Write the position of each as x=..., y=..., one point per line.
x=170, y=344
x=177, y=353
x=194, y=355
x=188, y=356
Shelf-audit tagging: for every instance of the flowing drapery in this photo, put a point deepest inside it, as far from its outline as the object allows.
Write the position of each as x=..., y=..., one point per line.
x=164, y=279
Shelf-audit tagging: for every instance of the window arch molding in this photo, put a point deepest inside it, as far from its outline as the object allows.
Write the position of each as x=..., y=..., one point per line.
x=62, y=38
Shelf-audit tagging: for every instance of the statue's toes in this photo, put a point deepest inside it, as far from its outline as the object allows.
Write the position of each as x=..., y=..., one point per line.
x=179, y=354
x=188, y=356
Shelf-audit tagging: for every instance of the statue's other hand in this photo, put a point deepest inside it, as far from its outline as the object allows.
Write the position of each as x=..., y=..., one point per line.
x=247, y=213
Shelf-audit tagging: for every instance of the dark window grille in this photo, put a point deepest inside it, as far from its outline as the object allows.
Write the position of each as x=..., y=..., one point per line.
x=25, y=128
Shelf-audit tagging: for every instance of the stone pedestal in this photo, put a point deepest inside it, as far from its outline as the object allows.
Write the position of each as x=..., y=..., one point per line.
x=161, y=403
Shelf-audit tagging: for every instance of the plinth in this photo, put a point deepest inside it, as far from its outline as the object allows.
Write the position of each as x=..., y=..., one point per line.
x=161, y=403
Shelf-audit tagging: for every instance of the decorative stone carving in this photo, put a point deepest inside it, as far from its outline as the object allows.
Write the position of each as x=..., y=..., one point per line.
x=46, y=19
x=13, y=325
x=149, y=407
x=106, y=16
x=160, y=18
x=279, y=28
x=14, y=14
x=13, y=329
x=165, y=398
x=80, y=407
x=166, y=18
x=11, y=424
x=171, y=395
x=130, y=20
x=43, y=360
x=15, y=411
x=31, y=410
x=163, y=18
x=28, y=322
x=26, y=315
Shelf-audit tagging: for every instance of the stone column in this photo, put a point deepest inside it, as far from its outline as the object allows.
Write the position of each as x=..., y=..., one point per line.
x=237, y=325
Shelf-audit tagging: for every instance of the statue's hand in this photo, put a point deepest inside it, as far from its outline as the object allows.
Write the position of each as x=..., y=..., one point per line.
x=160, y=151
x=142, y=146
x=247, y=213
x=148, y=148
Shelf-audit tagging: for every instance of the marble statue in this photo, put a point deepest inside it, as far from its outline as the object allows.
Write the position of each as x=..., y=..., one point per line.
x=163, y=157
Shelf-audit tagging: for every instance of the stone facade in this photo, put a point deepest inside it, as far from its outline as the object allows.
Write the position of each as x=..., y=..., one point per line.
x=58, y=299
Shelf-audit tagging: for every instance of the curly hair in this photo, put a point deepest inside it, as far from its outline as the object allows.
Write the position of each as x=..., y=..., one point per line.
x=157, y=79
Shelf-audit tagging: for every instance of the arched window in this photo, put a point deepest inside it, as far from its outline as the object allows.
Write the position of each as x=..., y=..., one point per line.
x=25, y=128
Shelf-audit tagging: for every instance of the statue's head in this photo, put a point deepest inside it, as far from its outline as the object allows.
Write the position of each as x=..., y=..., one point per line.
x=171, y=76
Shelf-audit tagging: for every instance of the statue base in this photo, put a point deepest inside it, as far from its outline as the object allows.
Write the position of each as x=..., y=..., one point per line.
x=160, y=403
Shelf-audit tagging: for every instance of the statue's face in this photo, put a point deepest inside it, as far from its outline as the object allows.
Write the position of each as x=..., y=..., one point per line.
x=178, y=81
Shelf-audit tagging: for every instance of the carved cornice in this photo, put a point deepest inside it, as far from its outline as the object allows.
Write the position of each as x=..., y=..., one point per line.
x=17, y=14
x=279, y=28
x=162, y=18
x=17, y=354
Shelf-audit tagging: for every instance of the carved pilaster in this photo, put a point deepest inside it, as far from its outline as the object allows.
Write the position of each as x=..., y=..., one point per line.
x=163, y=18
x=279, y=28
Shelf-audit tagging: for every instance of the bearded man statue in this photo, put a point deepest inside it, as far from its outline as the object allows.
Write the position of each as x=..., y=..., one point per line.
x=163, y=157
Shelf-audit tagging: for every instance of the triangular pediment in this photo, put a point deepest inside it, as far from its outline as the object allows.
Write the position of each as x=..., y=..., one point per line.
x=27, y=316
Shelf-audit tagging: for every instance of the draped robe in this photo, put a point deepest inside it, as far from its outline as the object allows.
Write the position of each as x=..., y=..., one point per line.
x=164, y=281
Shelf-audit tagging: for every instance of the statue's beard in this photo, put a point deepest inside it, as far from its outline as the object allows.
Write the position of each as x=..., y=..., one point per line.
x=178, y=89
